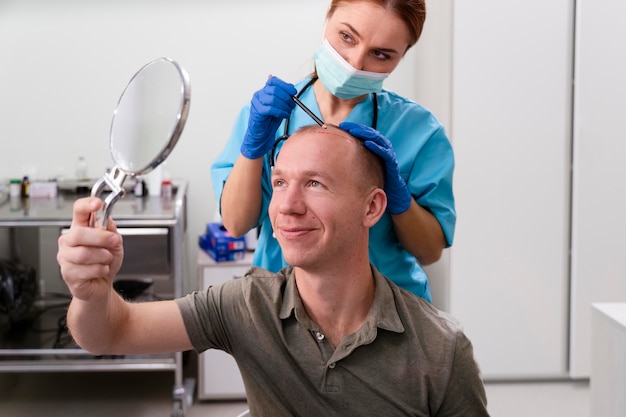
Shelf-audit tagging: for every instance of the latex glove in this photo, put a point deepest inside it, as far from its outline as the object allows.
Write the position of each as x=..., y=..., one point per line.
x=398, y=194
x=270, y=105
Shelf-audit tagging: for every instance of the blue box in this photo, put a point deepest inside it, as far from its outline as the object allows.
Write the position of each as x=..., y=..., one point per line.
x=221, y=240
x=225, y=256
x=220, y=244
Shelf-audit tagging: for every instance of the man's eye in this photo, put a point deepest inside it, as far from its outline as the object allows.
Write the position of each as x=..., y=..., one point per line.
x=315, y=183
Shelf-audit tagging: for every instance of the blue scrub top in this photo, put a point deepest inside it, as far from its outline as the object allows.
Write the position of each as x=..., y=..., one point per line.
x=426, y=162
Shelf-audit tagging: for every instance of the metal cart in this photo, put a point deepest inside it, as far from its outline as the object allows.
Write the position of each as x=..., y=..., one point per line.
x=154, y=249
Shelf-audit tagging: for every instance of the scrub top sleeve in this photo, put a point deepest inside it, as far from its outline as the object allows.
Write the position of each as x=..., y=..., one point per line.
x=433, y=168
x=223, y=165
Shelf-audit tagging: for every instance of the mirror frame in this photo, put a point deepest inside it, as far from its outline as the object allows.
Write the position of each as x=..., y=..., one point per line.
x=114, y=179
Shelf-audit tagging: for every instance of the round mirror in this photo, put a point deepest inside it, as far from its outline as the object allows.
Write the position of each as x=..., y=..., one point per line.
x=149, y=117
x=147, y=123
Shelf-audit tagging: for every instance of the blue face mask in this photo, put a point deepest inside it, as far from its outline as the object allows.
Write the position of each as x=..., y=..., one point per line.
x=340, y=78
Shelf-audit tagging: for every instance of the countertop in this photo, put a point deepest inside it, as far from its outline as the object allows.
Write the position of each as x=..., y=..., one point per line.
x=17, y=211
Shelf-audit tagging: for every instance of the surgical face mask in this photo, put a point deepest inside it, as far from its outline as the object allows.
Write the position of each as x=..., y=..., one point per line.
x=341, y=78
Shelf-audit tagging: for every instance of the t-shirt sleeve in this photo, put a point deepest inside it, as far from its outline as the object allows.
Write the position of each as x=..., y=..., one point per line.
x=465, y=395
x=204, y=320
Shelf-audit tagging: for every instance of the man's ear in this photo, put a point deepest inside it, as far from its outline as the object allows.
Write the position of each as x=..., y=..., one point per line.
x=376, y=206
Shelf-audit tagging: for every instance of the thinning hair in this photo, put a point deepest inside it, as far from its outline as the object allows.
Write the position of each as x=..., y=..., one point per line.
x=367, y=166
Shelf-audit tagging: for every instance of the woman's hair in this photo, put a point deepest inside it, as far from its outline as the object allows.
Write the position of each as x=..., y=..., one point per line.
x=412, y=13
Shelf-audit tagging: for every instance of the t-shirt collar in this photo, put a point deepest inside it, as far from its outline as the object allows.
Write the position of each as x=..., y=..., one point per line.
x=380, y=314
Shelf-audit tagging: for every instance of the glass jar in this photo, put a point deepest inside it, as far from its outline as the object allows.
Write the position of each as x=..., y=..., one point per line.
x=15, y=187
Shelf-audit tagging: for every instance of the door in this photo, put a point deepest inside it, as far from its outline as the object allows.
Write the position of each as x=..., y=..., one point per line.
x=599, y=195
x=511, y=106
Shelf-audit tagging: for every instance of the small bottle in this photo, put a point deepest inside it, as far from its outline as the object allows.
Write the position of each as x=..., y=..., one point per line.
x=138, y=187
x=15, y=187
x=81, y=169
x=25, y=190
x=166, y=189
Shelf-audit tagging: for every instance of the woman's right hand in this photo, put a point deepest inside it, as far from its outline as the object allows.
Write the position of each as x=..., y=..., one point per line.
x=270, y=105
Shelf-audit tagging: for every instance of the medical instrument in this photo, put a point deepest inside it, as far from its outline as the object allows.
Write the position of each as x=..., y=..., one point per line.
x=296, y=98
x=308, y=111
x=147, y=123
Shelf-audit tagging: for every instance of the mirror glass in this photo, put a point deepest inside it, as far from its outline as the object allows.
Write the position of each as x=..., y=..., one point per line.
x=149, y=116
x=147, y=122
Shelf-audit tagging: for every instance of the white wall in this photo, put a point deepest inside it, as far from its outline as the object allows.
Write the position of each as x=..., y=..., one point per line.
x=64, y=64
x=433, y=89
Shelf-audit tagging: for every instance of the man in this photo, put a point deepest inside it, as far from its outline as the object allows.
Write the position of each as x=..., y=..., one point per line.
x=327, y=336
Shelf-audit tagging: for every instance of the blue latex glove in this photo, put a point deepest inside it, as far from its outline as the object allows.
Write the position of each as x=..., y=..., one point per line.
x=270, y=105
x=398, y=194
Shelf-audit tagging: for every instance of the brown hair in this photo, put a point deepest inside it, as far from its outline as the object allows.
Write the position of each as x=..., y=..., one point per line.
x=412, y=13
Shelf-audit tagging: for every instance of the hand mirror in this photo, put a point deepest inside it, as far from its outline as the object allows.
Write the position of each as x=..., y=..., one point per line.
x=147, y=123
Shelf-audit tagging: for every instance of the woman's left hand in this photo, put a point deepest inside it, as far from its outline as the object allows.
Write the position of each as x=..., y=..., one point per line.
x=398, y=194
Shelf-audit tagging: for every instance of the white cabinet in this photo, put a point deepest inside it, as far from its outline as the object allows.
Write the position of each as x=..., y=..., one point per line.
x=218, y=374
x=608, y=370
x=511, y=117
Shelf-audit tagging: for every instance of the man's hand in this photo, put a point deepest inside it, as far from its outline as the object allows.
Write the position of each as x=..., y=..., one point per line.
x=89, y=257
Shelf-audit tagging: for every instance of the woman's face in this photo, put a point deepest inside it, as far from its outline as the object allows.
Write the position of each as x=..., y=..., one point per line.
x=366, y=35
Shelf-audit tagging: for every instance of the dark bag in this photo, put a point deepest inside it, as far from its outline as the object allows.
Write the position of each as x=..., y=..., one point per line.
x=18, y=289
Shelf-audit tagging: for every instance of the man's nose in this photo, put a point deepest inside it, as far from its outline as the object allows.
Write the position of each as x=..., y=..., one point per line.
x=292, y=201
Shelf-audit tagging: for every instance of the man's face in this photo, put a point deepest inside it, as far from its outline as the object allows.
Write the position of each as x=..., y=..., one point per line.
x=317, y=205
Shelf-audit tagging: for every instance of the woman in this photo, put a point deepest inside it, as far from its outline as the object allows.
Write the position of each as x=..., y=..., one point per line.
x=364, y=41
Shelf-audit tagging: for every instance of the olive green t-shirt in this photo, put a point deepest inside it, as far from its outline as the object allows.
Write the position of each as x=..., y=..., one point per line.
x=407, y=359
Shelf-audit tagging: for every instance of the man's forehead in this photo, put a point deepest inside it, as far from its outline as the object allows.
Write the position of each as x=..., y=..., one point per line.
x=324, y=136
x=315, y=144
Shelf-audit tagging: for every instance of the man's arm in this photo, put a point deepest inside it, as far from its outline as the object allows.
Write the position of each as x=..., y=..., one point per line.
x=99, y=320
